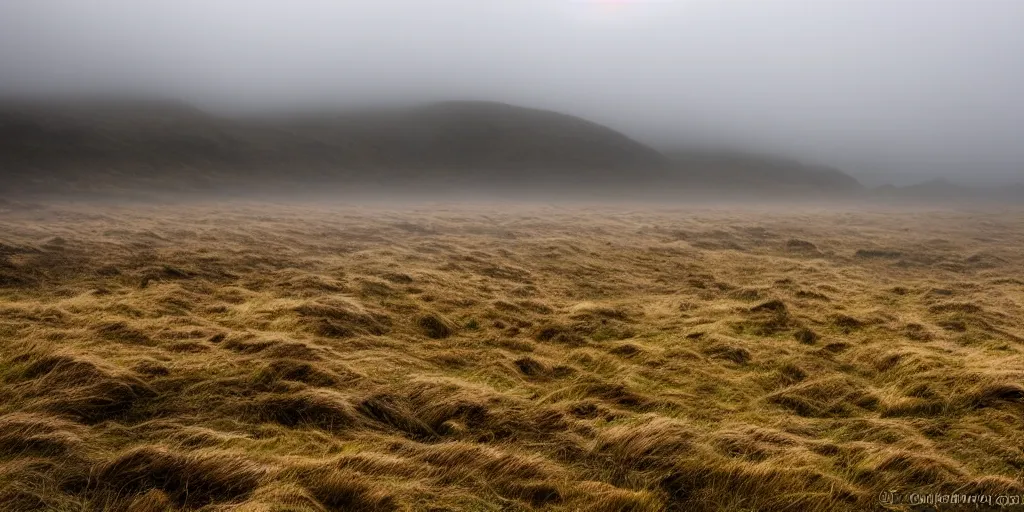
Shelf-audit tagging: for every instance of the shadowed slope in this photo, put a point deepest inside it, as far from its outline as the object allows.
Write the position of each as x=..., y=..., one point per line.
x=455, y=146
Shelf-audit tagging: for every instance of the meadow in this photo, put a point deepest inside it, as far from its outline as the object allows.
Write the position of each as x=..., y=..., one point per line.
x=258, y=356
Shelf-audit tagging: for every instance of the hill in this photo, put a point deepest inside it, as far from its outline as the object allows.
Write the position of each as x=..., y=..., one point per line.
x=138, y=144
x=943, y=190
x=731, y=170
x=91, y=146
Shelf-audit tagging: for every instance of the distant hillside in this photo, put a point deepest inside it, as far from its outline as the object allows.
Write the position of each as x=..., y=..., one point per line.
x=144, y=144
x=943, y=190
x=932, y=189
x=724, y=170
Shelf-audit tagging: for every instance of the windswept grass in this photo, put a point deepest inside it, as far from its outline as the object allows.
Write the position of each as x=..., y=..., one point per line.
x=309, y=358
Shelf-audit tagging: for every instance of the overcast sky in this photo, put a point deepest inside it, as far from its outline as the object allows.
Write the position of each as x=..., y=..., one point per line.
x=907, y=88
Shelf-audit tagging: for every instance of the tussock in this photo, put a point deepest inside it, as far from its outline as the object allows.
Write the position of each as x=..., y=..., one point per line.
x=188, y=480
x=753, y=443
x=74, y=386
x=806, y=336
x=121, y=331
x=956, y=307
x=797, y=245
x=341, y=319
x=995, y=393
x=828, y=397
x=305, y=372
x=559, y=333
x=27, y=434
x=655, y=443
x=878, y=253
x=395, y=412
x=729, y=352
x=846, y=323
x=317, y=408
x=435, y=326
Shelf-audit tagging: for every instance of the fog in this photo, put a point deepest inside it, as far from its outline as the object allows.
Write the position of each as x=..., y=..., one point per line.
x=890, y=90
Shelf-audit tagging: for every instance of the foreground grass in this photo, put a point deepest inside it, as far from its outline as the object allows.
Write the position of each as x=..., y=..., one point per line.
x=291, y=358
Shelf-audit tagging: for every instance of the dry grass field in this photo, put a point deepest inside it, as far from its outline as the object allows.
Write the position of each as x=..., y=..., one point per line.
x=257, y=357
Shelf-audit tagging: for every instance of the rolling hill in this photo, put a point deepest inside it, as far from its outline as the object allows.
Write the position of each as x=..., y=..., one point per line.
x=731, y=170
x=941, y=190
x=93, y=146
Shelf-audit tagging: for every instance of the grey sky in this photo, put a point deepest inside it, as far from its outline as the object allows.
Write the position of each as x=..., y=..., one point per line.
x=916, y=88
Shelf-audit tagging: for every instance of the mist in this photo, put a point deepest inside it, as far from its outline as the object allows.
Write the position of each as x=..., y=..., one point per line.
x=891, y=91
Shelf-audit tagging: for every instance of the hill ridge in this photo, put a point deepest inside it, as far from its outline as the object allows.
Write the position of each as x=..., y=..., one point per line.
x=456, y=144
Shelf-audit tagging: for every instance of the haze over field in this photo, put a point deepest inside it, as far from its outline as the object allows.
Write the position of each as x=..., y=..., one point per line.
x=511, y=255
x=891, y=91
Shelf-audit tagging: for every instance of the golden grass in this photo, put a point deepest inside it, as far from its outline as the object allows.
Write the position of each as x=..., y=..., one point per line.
x=267, y=357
